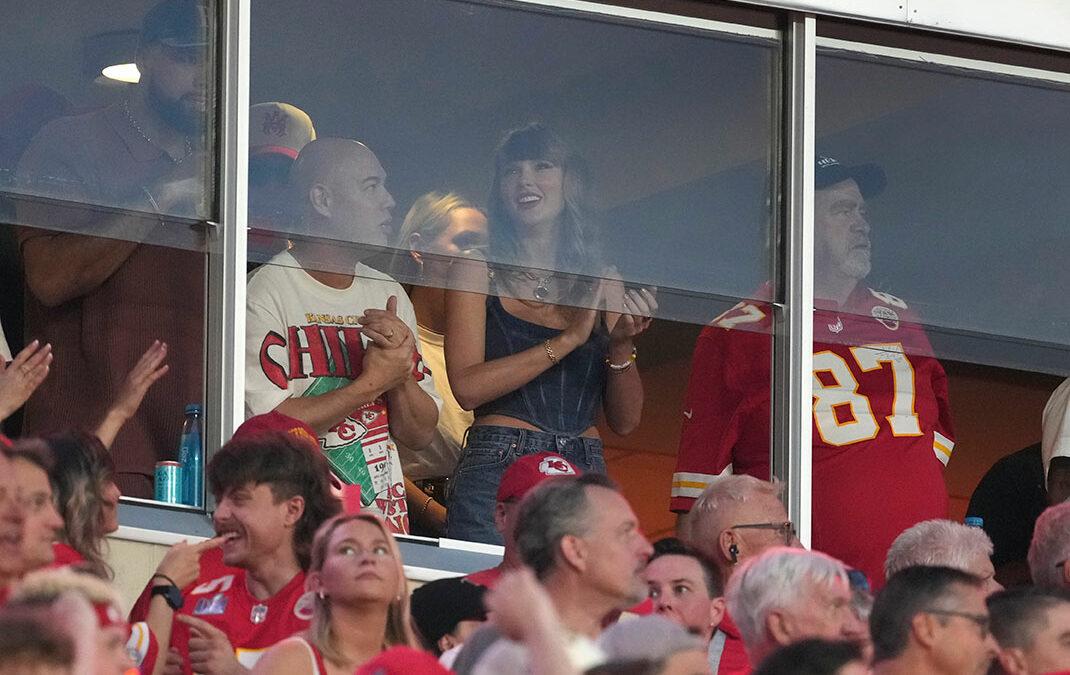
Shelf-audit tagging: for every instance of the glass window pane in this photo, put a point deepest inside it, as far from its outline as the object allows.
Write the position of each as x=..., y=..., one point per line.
x=521, y=167
x=105, y=185
x=939, y=277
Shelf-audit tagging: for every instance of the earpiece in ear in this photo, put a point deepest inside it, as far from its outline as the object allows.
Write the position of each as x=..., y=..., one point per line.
x=733, y=551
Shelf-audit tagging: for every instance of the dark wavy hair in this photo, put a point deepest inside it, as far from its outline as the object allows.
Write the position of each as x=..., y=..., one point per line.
x=579, y=251
x=82, y=471
x=287, y=464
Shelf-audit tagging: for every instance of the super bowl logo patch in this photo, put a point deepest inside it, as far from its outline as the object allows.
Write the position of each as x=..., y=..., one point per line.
x=215, y=605
x=304, y=606
x=887, y=317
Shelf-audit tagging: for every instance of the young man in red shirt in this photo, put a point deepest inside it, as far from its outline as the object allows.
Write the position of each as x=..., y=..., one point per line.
x=272, y=492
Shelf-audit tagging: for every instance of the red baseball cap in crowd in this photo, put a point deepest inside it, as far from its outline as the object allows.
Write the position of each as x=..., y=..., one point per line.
x=276, y=421
x=403, y=661
x=530, y=470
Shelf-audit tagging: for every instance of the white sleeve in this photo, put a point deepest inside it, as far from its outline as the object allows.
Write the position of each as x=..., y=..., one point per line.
x=1055, y=441
x=262, y=394
x=5, y=351
x=408, y=315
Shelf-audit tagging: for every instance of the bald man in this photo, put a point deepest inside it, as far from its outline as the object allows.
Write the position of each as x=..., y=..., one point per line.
x=330, y=341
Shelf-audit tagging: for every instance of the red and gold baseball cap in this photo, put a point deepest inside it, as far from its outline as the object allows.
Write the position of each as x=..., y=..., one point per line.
x=530, y=470
x=276, y=421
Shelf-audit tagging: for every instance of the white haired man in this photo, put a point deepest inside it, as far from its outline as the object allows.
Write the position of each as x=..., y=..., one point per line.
x=734, y=519
x=788, y=594
x=1050, y=548
x=944, y=543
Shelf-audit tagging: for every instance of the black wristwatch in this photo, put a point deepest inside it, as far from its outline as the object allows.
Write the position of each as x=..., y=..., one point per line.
x=172, y=595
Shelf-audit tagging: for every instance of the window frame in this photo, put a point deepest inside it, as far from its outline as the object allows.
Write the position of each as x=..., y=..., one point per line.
x=791, y=430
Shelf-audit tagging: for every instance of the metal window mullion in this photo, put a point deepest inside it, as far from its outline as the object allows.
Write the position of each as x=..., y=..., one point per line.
x=793, y=353
x=227, y=252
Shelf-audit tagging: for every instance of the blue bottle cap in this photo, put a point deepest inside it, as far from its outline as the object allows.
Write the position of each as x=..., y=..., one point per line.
x=193, y=408
x=974, y=521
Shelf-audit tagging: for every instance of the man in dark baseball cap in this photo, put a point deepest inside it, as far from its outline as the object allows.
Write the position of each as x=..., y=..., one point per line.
x=180, y=24
x=446, y=612
x=521, y=476
x=829, y=171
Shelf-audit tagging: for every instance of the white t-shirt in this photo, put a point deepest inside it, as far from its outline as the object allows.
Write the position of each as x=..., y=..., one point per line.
x=1055, y=439
x=5, y=351
x=303, y=339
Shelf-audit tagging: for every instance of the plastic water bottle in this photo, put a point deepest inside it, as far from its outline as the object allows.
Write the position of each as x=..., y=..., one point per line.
x=974, y=521
x=191, y=456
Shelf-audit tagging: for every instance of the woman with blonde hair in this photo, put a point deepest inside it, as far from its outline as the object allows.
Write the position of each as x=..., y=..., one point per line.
x=437, y=229
x=361, y=601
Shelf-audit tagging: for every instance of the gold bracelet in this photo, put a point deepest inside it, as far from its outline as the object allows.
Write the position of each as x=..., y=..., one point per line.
x=424, y=509
x=621, y=367
x=550, y=353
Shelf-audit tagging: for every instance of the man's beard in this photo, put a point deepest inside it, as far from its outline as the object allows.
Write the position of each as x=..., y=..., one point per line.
x=173, y=112
x=857, y=265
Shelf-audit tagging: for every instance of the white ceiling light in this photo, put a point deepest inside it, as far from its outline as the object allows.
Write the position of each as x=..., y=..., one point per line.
x=122, y=72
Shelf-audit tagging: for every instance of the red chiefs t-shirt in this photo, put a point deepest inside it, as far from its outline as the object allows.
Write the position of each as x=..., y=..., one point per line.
x=220, y=597
x=882, y=424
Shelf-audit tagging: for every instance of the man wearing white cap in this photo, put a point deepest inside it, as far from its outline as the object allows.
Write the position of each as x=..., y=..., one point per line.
x=277, y=133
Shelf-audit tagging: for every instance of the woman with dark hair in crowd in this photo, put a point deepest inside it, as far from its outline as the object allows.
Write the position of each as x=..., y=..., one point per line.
x=540, y=337
x=361, y=601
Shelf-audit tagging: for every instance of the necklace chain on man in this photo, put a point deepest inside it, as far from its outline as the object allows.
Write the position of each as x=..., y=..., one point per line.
x=141, y=132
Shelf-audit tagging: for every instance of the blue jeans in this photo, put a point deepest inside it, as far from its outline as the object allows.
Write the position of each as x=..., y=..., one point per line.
x=488, y=452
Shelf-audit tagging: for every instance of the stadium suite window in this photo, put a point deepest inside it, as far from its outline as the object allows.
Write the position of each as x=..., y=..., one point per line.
x=939, y=269
x=664, y=188
x=107, y=183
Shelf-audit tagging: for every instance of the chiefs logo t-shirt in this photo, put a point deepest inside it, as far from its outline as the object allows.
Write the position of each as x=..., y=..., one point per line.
x=304, y=339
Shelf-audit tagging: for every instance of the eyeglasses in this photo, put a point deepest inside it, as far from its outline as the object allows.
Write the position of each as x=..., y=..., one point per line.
x=785, y=529
x=981, y=620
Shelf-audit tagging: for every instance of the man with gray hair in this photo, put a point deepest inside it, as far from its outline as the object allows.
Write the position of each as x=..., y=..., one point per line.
x=581, y=539
x=788, y=594
x=1032, y=627
x=944, y=543
x=1050, y=548
x=734, y=519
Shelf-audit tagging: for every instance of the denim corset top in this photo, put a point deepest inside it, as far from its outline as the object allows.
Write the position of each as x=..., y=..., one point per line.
x=563, y=399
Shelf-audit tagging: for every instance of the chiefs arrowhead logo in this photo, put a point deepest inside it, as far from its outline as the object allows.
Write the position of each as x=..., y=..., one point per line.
x=555, y=466
x=343, y=434
x=887, y=316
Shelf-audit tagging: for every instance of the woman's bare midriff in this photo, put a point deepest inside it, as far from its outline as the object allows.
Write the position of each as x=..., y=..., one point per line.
x=506, y=421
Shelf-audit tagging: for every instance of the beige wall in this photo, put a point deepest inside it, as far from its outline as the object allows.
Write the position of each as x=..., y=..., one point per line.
x=133, y=562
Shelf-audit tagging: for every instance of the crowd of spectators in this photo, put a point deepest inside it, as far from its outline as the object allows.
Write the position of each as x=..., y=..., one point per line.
x=294, y=584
